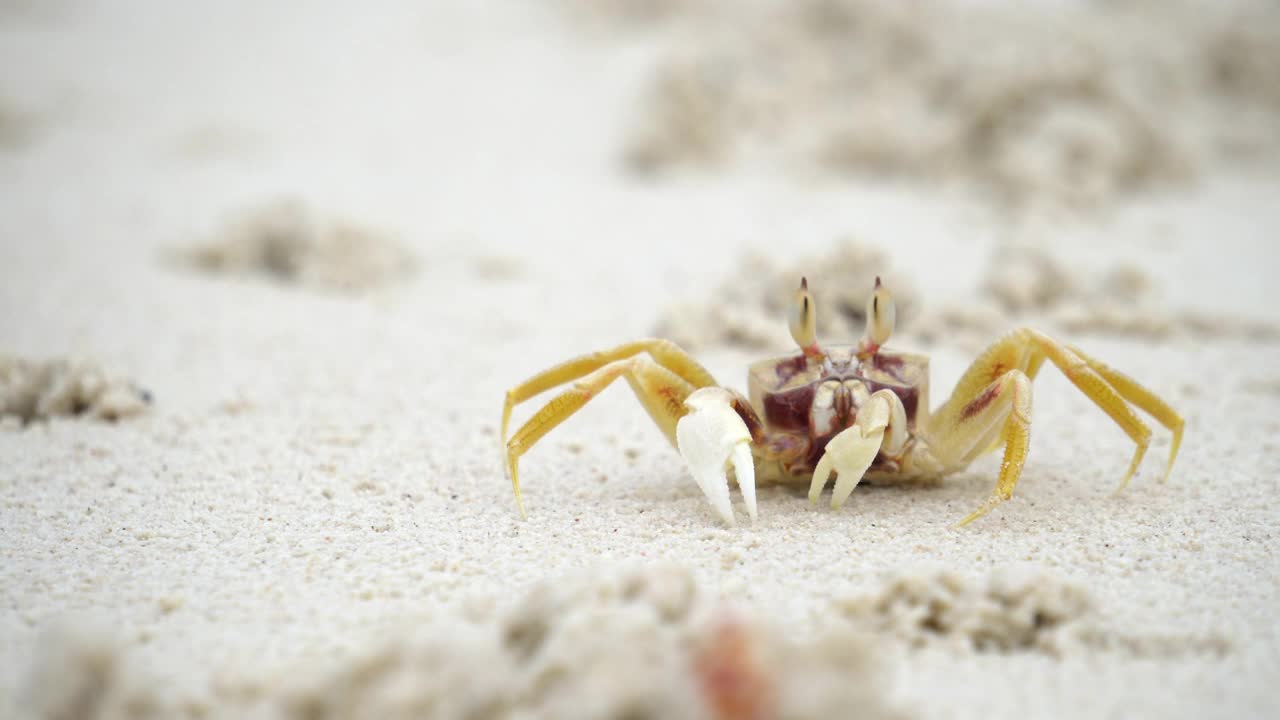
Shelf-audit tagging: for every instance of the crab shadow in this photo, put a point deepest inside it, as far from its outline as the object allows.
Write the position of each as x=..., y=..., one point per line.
x=891, y=498
x=949, y=498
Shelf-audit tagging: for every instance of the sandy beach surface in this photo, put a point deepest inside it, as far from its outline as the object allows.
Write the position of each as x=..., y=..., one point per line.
x=310, y=519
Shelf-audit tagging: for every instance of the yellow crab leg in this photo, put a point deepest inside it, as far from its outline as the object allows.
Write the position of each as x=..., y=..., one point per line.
x=1147, y=401
x=1097, y=389
x=1001, y=413
x=660, y=390
x=665, y=352
x=1025, y=349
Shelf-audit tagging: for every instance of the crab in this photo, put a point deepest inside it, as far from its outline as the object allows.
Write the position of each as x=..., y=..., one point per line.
x=857, y=411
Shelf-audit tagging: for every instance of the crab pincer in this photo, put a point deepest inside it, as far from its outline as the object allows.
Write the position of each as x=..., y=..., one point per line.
x=711, y=438
x=880, y=427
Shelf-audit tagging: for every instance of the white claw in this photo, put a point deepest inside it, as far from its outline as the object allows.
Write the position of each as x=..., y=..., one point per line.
x=711, y=436
x=852, y=451
x=855, y=466
x=849, y=454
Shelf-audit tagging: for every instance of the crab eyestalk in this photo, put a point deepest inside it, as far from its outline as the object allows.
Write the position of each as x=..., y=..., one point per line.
x=881, y=316
x=803, y=321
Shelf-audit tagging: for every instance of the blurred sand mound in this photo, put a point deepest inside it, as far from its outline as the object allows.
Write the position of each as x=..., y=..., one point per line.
x=630, y=12
x=1015, y=609
x=291, y=243
x=1006, y=613
x=1024, y=284
x=31, y=391
x=15, y=126
x=1067, y=104
x=635, y=642
x=639, y=643
x=750, y=307
x=82, y=675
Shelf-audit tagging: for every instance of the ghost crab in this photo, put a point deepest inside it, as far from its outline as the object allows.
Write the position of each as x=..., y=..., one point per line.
x=853, y=410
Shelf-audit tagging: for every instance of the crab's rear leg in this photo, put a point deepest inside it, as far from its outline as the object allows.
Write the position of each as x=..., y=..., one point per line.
x=1026, y=350
x=661, y=391
x=1147, y=401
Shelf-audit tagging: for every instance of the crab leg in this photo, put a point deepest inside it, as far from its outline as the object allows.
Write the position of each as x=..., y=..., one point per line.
x=1001, y=413
x=660, y=390
x=1146, y=400
x=881, y=425
x=1026, y=350
x=664, y=352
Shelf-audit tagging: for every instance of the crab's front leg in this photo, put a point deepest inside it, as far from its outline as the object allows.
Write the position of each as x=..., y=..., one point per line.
x=881, y=425
x=712, y=437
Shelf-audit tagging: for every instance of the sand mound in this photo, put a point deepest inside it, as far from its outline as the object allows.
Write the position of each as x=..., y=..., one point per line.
x=1008, y=612
x=1073, y=105
x=631, y=13
x=32, y=391
x=635, y=642
x=15, y=127
x=289, y=242
x=1023, y=284
x=1011, y=610
x=82, y=675
x=639, y=643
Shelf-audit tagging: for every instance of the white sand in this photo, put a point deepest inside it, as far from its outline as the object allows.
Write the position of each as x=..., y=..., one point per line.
x=320, y=471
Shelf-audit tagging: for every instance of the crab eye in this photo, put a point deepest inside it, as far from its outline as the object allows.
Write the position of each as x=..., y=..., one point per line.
x=803, y=319
x=881, y=315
